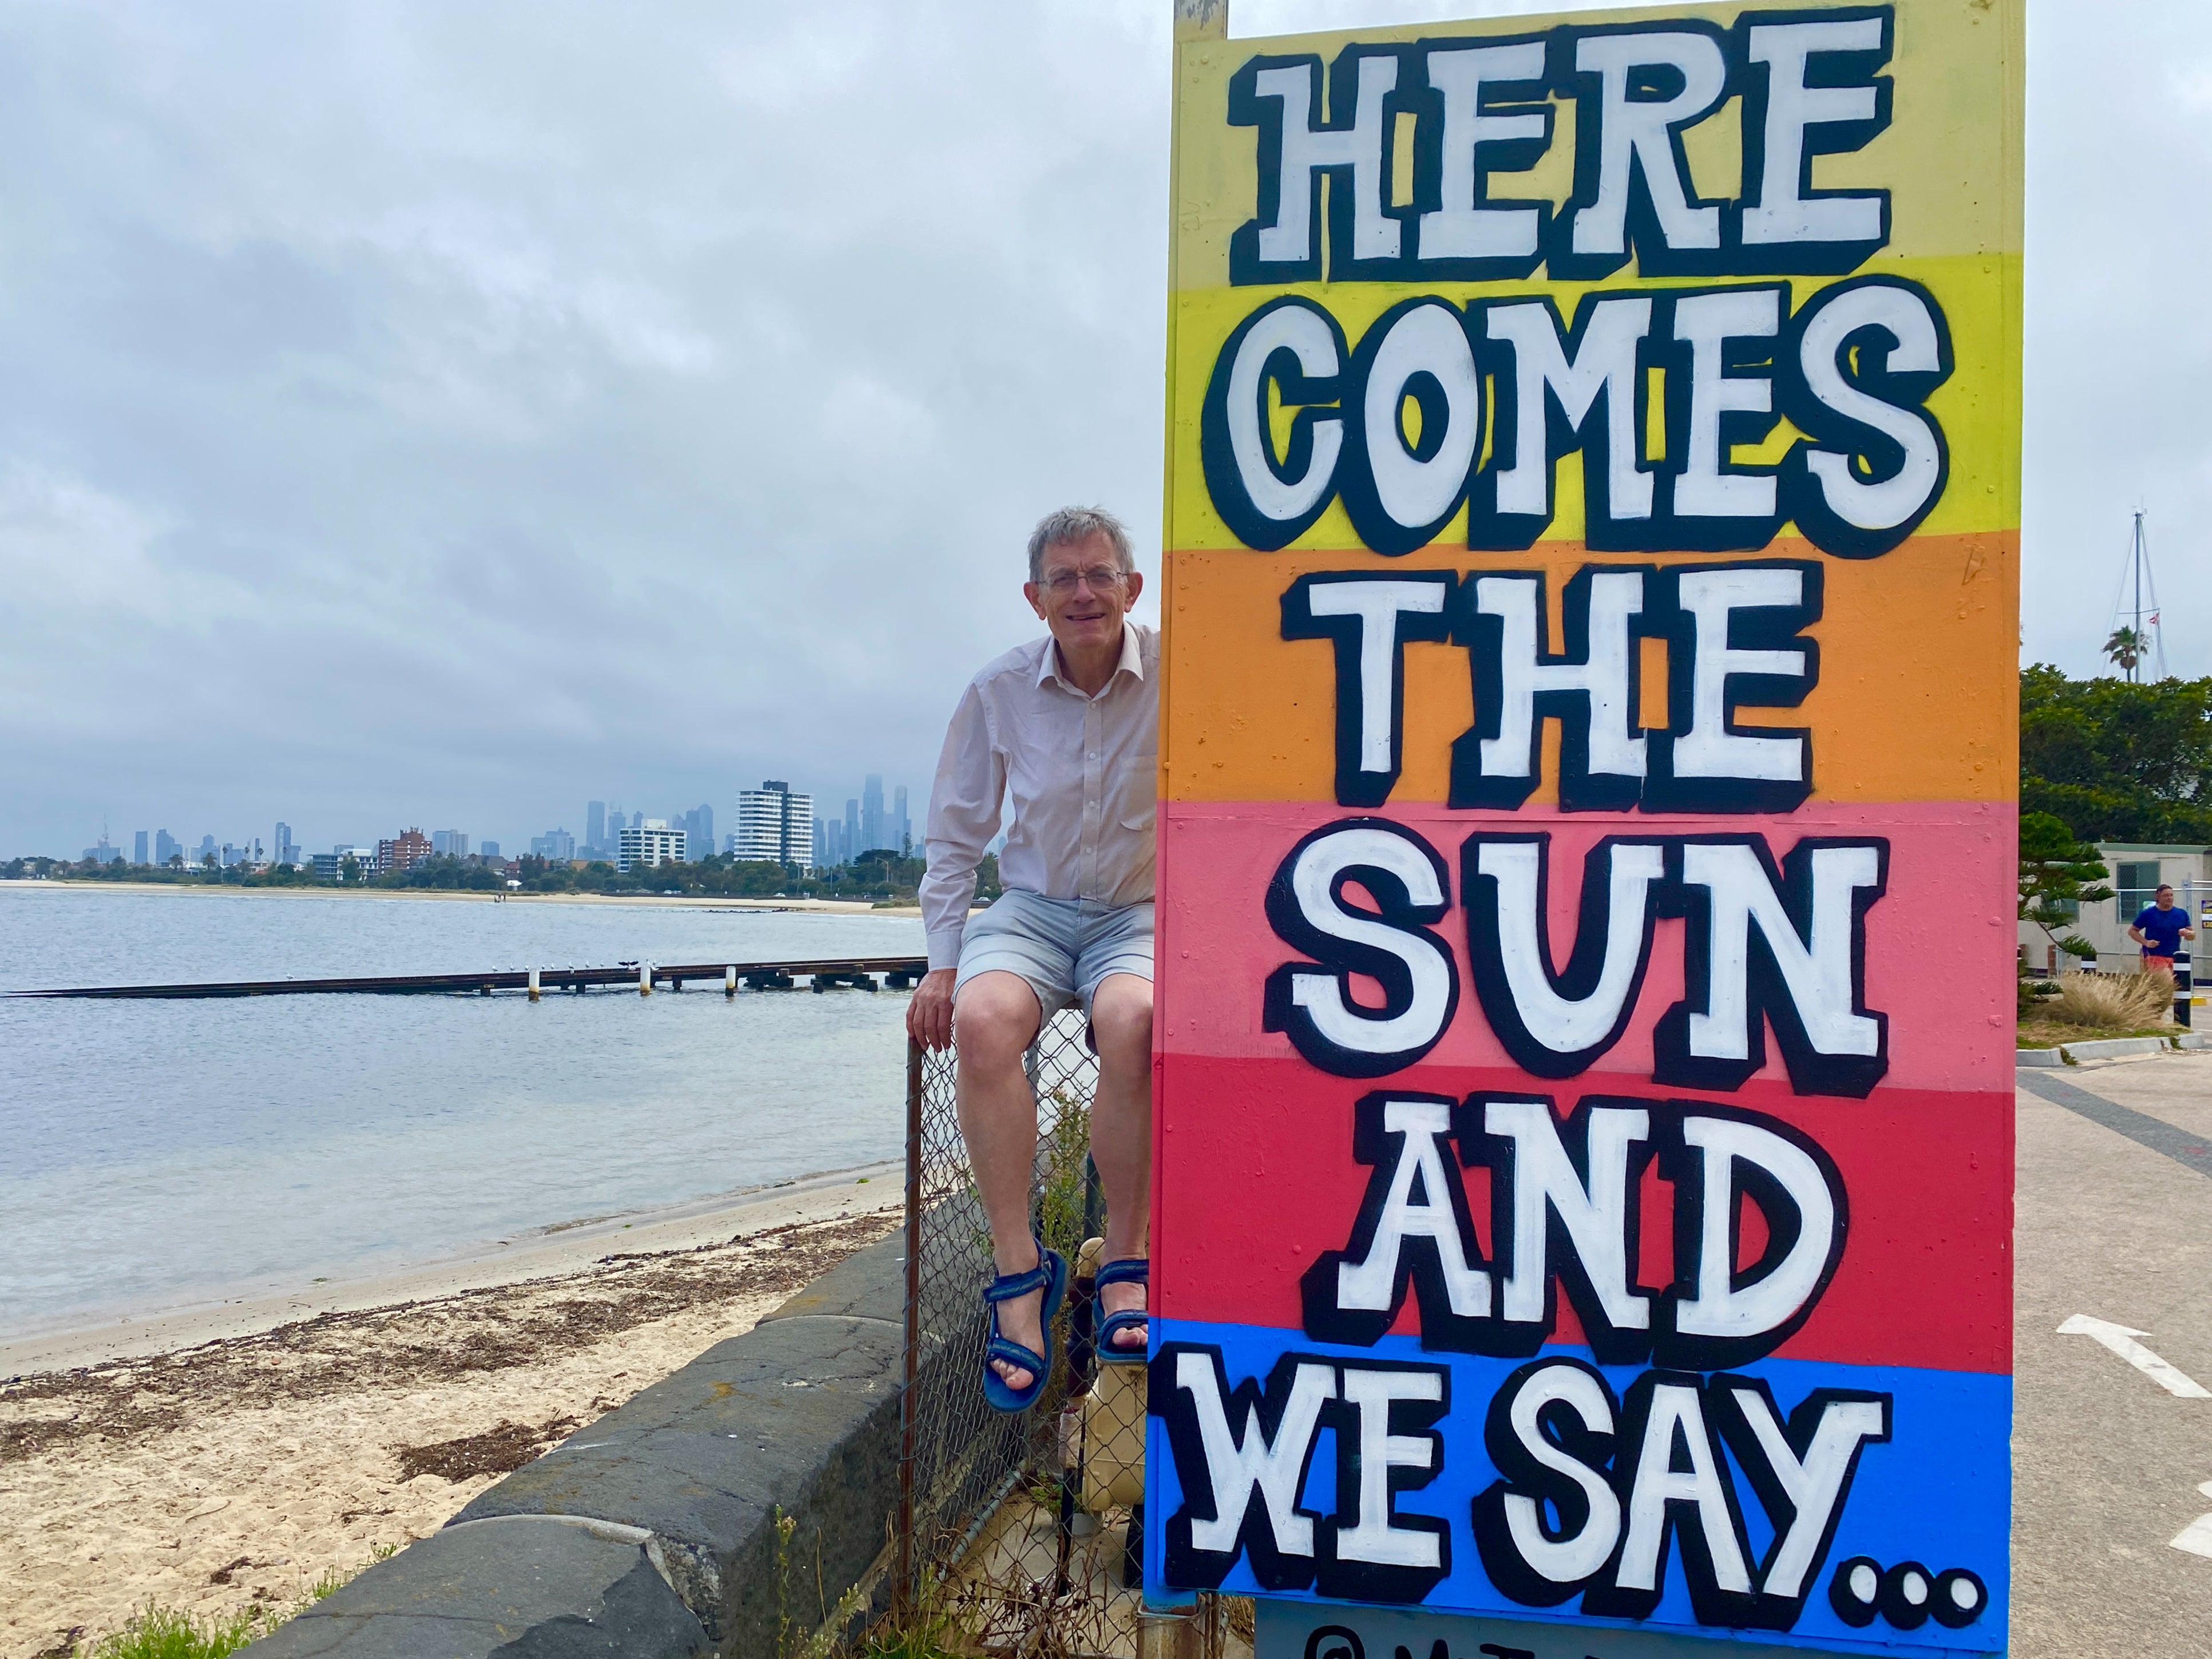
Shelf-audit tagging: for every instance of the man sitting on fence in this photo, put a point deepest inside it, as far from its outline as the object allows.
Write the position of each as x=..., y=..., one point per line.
x=1066, y=729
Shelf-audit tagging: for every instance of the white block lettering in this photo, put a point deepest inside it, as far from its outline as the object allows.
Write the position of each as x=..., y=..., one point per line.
x=1677, y=1417
x=1374, y=1538
x=1369, y=1284
x=1236, y=1467
x=1783, y=213
x=1461, y=230
x=1595, y=1218
x=1638, y=134
x=1605, y=362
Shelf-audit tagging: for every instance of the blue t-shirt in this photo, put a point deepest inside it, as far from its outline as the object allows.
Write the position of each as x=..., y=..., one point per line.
x=2161, y=929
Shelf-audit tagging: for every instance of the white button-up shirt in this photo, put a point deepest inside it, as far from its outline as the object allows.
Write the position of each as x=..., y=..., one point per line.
x=1081, y=772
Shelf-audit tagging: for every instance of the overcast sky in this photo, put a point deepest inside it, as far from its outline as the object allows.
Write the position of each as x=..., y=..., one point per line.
x=435, y=413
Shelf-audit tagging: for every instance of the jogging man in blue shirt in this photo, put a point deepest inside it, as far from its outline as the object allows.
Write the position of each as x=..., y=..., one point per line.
x=2159, y=929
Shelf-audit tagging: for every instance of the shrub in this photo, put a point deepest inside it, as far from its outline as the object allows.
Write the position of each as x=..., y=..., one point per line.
x=2115, y=1000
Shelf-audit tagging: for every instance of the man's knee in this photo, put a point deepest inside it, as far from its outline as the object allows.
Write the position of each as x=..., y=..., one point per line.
x=1121, y=1019
x=995, y=1021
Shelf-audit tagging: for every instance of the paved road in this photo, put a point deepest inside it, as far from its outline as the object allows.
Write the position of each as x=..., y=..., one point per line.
x=2114, y=1221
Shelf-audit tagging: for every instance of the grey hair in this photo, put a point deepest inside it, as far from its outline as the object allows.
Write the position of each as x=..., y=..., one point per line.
x=1076, y=524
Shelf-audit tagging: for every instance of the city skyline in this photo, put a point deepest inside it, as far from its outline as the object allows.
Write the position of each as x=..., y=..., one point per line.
x=457, y=511
x=162, y=841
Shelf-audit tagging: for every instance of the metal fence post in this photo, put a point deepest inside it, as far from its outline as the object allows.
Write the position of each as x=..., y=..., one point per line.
x=902, y=1539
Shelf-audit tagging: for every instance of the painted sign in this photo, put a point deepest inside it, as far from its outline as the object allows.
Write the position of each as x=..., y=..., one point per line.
x=1584, y=1154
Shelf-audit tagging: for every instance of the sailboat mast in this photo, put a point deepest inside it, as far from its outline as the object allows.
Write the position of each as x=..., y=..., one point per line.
x=2138, y=557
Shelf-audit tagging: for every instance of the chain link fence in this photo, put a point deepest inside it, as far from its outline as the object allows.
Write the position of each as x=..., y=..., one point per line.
x=1019, y=1534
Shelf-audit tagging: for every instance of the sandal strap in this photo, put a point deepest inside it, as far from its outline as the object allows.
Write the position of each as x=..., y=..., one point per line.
x=1121, y=1320
x=1006, y=1286
x=1130, y=1270
x=1000, y=1348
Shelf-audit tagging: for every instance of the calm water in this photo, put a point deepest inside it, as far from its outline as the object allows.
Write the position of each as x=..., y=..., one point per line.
x=156, y=1153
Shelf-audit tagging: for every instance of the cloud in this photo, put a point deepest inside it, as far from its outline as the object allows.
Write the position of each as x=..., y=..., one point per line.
x=419, y=412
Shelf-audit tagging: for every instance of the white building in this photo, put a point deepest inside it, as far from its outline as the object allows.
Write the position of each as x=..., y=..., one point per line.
x=774, y=826
x=2135, y=872
x=650, y=842
x=330, y=865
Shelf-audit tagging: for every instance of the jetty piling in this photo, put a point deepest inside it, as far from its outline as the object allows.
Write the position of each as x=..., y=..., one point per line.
x=896, y=973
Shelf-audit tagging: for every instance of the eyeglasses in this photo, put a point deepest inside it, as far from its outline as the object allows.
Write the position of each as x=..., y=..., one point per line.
x=1101, y=577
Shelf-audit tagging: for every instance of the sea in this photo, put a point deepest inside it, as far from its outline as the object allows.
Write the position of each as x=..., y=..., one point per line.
x=161, y=1154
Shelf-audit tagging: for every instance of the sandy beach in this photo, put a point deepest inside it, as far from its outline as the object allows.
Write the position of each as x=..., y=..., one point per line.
x=222, y=1456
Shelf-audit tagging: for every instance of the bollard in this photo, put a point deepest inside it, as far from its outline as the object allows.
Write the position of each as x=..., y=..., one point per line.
x=729, y=982
x=534, y=985
x=2181, y=989
x=645, y=979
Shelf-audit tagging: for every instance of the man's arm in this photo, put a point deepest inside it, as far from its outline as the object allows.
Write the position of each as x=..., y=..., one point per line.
x=2135, y=932
x=963, y=815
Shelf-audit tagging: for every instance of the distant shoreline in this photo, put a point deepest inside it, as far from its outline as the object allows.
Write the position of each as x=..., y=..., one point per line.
x=665, y=900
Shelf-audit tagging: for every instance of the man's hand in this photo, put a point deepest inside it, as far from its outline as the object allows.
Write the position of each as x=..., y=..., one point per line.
x=929, y=1015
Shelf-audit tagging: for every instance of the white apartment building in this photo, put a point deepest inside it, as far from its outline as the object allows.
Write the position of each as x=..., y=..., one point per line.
x=651, y=843
x=330, y=865
x=774, y=826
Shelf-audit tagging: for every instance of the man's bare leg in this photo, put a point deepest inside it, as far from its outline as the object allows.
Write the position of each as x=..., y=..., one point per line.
x=1122, y=1129
x=996, y=1021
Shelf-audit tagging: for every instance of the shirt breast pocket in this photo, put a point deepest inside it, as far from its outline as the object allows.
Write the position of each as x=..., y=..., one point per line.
x=1139, y=793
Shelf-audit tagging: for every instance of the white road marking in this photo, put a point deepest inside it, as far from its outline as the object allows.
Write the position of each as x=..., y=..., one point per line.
x=2120, y=1339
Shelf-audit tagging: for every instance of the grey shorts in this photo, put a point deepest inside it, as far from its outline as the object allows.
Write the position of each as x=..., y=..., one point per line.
x=1062, y=947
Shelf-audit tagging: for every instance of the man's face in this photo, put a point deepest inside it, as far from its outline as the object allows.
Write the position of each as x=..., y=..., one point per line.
x=1081, y=594
x=2165, y=898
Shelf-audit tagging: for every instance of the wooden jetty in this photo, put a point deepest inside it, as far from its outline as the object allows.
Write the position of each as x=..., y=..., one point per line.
x=860, y=972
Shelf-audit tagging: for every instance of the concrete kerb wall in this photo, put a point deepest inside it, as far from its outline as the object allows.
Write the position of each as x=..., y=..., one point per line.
x=652, y=1534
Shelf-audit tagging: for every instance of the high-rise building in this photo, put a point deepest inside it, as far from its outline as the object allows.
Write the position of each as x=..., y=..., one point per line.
x=595, y=826
x=207, y=849
x=649, y=843
x=288, y=852
x=487, y=850
x=138, y=847
x=555, y=844
x=449, y=844
x=874, y=832
x=853, y=844
x=699, y=829
x=828, y=844
x=166, y=846
x=101, y=852
x=901, y=831
x=776, y=825
x=402, y=853
x=330, y=865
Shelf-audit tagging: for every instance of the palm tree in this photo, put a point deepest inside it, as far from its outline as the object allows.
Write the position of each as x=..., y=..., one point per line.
x=2125, y=649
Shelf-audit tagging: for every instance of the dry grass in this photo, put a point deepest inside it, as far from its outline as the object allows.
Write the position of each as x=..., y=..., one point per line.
x=2113, y=999
x=2090, y=1005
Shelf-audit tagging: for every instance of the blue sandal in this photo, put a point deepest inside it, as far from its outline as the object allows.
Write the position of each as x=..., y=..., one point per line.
x=1051, y=1272
x=1134, y=1271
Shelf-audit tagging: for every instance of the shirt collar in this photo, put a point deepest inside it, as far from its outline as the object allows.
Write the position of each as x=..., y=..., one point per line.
x=1132, y=660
